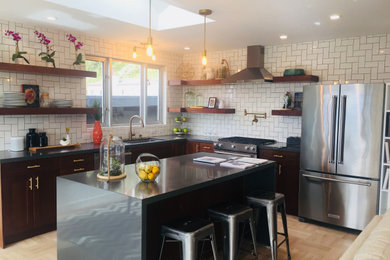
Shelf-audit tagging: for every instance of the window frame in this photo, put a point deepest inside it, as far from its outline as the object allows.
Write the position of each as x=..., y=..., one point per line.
x=107, y=90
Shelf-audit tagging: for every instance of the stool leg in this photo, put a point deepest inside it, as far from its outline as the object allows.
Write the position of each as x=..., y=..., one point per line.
x=213, y=245
x=162, y=246
x=190, y=248
x=233, y=233
x=252, y=226
x=284, y=219
x=272, y=228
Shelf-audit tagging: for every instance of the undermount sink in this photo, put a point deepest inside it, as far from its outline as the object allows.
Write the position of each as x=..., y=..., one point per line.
x=140, y=140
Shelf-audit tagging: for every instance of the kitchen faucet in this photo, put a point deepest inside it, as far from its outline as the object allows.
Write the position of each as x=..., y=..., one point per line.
x=131, y=125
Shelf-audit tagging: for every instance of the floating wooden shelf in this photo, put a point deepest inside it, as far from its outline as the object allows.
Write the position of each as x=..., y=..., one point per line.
x=46, y=70
x=194, y=82
x=202, y=110
x=45, y=110
x=302, y=78
x=287, y=112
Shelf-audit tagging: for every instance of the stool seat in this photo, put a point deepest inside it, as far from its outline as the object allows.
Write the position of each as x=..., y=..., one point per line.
x=231, y=215
x=264, y=197
x=272, y=201
x=231, y=211
x=189, y=230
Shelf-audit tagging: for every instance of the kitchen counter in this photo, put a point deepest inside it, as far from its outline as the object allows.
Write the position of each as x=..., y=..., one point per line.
x=122, y=219
x=281, y=146
x=9, y=156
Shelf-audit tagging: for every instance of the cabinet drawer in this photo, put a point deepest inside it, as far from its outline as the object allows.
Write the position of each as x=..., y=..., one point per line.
x=31, y=166
x=206, y=147
x=278, y=156
x=76, y=163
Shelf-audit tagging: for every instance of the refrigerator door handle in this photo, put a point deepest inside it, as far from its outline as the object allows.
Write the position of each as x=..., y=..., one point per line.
x=333, y=129
x=368, y=184
x=342, y=129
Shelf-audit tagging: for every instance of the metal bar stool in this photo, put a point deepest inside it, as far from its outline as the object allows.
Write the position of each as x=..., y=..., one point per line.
x=189, y=231
x=272, y=201
x=231, y=216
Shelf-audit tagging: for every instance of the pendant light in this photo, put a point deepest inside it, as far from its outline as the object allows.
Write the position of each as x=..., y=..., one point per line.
x=149, y=48
x=204, y=12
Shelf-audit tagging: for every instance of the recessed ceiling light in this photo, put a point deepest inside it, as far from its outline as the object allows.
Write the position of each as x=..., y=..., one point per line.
x=334, y=17
x=187, y=48
x=317, y=23
x=283, y=37
x=51, y=18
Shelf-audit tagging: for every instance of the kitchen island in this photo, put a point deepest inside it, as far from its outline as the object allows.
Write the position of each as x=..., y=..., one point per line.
x=122, y=219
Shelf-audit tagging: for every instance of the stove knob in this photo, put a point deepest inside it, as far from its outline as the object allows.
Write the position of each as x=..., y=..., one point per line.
x=246, y=147
x=233, y=146
x=219, y=145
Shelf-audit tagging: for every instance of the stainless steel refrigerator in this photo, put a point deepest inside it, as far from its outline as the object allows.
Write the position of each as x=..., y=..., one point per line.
x=340, y=153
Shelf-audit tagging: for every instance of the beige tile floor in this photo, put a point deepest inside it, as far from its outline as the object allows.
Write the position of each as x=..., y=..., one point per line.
x=307, y=241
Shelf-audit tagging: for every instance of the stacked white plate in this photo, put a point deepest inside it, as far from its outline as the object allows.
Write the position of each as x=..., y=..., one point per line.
x=61, y=103
x=11, y=99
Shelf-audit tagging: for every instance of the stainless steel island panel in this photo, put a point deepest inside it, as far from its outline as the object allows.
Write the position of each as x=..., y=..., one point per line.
x=94, y=224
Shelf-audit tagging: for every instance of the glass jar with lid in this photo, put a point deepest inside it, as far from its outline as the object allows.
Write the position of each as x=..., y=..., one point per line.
x=112, y=159
x=190, y=99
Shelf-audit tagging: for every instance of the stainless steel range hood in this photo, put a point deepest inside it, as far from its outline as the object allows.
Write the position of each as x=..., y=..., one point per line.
x=255, y=71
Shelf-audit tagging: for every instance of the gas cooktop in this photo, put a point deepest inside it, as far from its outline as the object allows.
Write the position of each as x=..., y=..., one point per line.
x=247, y=140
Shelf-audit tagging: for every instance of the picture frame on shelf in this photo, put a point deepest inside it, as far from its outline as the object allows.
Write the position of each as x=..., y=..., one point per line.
x=212, y=102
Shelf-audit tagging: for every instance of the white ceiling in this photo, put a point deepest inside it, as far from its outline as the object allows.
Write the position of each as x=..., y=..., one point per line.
x=238, y=23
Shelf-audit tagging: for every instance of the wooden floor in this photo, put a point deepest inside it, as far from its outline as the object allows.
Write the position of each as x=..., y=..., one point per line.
x=307, y=241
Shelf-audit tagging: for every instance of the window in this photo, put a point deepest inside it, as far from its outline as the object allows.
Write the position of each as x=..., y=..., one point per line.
x=95, y=86
x=132, y=89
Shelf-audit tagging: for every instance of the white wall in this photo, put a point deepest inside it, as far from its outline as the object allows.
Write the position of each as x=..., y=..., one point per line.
x=364, y=59
x=67, y=87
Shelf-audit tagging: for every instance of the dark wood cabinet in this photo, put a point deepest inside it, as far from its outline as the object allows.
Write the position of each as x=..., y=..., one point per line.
x=162, y=150
x=28, y=198
x=287, y=177
x=196, y=147
x=77, y=163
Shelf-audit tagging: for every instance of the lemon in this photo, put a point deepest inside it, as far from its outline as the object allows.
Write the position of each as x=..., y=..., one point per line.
x=155, y=170
x=141, y=166
x=142, y=175
x=148, y=168
x=151, y=176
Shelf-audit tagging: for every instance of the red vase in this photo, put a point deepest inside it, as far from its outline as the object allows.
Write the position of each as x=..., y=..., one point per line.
x=97, y=133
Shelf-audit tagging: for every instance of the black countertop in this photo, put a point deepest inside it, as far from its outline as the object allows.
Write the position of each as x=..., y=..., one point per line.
x=9, y=156
x=280, y=146
x=178, y=175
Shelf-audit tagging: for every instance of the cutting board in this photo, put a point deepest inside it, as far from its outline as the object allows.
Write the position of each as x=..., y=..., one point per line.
x=35, y=149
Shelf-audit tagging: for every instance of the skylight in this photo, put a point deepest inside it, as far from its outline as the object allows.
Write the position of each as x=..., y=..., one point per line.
x=164, y=16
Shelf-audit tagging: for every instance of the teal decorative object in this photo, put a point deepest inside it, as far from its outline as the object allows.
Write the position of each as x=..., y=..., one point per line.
x=294, y=72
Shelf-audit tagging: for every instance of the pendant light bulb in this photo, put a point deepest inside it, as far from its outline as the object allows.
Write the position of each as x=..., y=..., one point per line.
x=204, y=58
x=149, y=50
x=154, y=57
x=134, y=53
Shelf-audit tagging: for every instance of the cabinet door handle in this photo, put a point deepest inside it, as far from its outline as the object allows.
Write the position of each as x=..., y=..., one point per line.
x=278, y=156
x=30, y=185
x=197, y=148
x=37, y=182
x=280, y=169
x=33, y=166
x=206, y=147
x=79, y=160
x=78, y=169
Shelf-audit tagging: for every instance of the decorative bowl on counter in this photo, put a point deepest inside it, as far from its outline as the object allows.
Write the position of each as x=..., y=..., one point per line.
x=147, y=167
